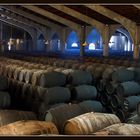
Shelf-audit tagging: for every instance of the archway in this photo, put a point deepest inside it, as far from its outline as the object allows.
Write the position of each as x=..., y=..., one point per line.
x=55, y=43
x=120, y=43
x=41, y=43
x=94, y=43
x=17, y=36
x=72, y=44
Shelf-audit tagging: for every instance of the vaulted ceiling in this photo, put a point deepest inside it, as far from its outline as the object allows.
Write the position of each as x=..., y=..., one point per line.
x=131, y=12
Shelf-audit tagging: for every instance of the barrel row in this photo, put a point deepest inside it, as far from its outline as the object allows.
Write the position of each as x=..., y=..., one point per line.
x=121, y=91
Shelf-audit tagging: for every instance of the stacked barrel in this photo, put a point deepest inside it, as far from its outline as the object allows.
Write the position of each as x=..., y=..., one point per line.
x=123, y=92
x=83, y=90
x=5, y=99
x=41, y=84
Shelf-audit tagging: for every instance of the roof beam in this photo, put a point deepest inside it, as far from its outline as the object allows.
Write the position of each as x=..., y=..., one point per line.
x=32, y=17
x=52, y=16
x=137, y=6
x=20, y=20
x=78, y=15
x=11, y=22
x=127, y=23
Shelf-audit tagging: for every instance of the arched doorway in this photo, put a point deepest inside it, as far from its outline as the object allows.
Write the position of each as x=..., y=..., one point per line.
x=72, y=44
x=41, y=43
x=120, y=43
x=55, y=43
x=21, y=39
x=94, y=43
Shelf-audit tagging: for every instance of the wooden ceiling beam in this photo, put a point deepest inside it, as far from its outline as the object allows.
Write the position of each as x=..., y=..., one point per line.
x=79, y=16
x=127, y=23
x=52, y=16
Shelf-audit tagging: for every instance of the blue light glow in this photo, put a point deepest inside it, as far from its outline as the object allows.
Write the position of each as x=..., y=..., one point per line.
x=94, y=40
x=73, y=41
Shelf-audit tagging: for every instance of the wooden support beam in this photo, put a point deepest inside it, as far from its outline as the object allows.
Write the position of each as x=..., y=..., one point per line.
x=52, y=16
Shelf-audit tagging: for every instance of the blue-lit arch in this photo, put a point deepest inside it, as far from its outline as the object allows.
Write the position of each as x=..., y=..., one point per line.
x=94, y=40
x=121, y=41
x=41, y=43
x=72, y=41
x=55, y=42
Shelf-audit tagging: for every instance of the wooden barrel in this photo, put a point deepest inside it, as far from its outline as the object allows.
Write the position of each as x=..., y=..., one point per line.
x=18, y=90
x=68, y=65
x=56, y=116
x=60, y=69
x=134, y=119
x=36, y=77
x=6, y=69
x=5, y=99
x=57, y=95
x=40, y=92
x=92, y=106
x=67, y=71
x=79, y=77
x=48, y=79
x=111, y=87
x=43, y=108
x=138, y=108
x=12, y=87
x=4, y=83
x=98, y=72
x=120, y=129
x=3, y=69
x=11, y=71
x=101, y=84
x=22, y=75
x=31, y=95
x=130, y=103
x=62, y=63
x=50, y=68
x=128, y=89
x=122, y=114
x=89, y=123
x=126, y=63
x=10, y=116
x=105, y=99
x=83, y=67
x=90, y=68
x=17, y=72
x=76, y=66
x=25, y=91
x=116, y=101
x=122, y=75
x=29, y=127
x=44, y=67
x=28, y=75
x=84, y=92
x=137, y=74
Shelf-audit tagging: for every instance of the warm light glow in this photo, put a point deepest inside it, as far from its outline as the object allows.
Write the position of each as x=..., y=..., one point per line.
x=18, y=41
x=47, y=42
x=91, y=46
x=9, y=46
x=12, y=41
x=84, y=44
x=74, y=45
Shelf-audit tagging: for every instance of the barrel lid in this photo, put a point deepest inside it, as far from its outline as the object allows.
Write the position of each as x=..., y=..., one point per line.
x=48, y=117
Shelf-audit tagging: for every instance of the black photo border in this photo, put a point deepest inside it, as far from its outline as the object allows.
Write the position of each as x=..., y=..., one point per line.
x=79, y=2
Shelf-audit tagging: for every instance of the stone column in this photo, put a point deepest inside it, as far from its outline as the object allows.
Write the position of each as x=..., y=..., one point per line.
x=106, y=41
